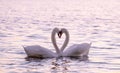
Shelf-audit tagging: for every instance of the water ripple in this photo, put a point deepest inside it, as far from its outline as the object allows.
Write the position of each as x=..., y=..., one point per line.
x=31, y=22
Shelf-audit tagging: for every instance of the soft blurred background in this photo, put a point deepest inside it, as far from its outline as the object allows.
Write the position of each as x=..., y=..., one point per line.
x=30, y=22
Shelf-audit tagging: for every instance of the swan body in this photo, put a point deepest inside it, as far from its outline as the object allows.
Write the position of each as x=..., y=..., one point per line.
x=76, y=49
x=39, y=51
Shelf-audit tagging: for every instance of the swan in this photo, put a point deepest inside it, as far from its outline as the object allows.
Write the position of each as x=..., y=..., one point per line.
x=41, y=52
x=76, y=50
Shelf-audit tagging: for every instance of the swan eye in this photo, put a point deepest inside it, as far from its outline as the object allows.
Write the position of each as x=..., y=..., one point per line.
x=60, y=34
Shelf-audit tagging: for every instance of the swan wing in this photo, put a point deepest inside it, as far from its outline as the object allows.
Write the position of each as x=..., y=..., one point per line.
x=77, y=50
x=38, y=51
x=71, y=51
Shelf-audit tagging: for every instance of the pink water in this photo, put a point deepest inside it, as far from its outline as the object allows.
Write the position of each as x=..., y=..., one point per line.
x=30, y=22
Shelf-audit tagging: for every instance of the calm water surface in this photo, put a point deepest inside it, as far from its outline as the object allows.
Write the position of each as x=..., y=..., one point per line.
x=30, y=22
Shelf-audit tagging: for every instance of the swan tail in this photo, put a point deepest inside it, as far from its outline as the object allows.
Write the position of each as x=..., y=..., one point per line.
x=23, y=46
x=90, y=43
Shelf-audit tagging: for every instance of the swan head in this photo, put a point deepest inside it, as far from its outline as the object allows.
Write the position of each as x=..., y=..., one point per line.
x=57, y=31
x=63, y=30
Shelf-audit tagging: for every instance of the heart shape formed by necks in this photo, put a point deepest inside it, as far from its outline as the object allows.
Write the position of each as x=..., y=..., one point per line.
x=60, y=32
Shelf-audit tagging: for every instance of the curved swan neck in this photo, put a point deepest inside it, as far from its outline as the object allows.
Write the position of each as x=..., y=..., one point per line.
x=66, y=39
x=55, y=30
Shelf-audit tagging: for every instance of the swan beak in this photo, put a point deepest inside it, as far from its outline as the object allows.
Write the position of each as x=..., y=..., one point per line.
x=60, y=34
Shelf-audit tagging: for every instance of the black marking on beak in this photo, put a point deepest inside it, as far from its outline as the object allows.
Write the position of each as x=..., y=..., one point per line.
x=60, y=34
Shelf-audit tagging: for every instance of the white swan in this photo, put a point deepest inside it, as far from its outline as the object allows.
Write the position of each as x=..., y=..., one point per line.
x=74, y=50
x=39, y=51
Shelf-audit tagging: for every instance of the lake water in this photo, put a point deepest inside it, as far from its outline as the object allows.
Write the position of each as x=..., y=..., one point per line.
x=30, y=22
